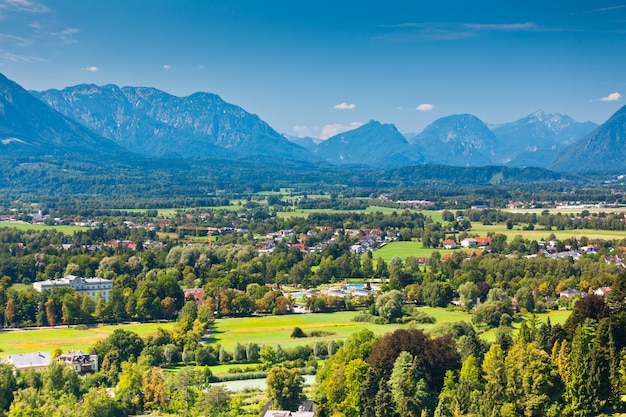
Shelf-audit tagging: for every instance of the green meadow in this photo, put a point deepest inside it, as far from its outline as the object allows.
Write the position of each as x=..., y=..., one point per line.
x=406, y=249
x=68, y=230
x=271, y=330
x=435, y=215
x=275, y=330
x=66, y=338
x=538, y=233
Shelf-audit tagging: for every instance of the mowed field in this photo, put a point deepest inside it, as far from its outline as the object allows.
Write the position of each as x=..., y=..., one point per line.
x=66, y=338
x=270, y=330
x=406, y=249
x=539, y=234
x=68, y=230
x=273, y=330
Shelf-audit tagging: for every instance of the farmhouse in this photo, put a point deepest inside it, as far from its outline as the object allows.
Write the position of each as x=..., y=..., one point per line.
x=469, y=242
x=449, y=244
x=39, y=361
x=83, y=286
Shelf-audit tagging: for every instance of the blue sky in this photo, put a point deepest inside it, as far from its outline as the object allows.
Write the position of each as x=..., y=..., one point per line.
x=317, y=67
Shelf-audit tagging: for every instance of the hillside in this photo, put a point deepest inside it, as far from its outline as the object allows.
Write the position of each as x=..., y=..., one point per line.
x=153, y=123
x=603, y=150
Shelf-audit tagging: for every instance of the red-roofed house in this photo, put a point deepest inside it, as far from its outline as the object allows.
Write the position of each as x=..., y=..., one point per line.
x=449, y=244
x=483, y=241
x=197, y=293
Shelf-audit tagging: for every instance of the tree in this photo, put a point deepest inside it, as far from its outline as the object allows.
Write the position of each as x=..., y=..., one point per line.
x=124, y=343
x=51, y=312
x=154, y=389
x=408, y=389
x=355, y=375
x=490, y=313
x=252, y=352
x=389, y=305
x=7, y=386
x=10, y=313
x=129, y=388
x=525, y=300
x=284, y=387
x=468, y=292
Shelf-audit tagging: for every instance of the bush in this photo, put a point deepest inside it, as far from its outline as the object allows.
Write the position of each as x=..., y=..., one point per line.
x=418, y=317
x=363, y=317
x=298, y=333
x=321, y=333
x=81, y=327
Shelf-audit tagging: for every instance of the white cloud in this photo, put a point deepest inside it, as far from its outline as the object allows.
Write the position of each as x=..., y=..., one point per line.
x=7, y=56
x=344, y=106
x=166, y=67
x=504, y=27
x=91, y=69
x=302, y=131
x=23, y=6
x=17, y=40
x=611, y=97
x=425, y=107
x=67, y=35
x=336, y=128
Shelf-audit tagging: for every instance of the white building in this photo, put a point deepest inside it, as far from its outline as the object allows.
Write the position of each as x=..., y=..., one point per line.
x=38, y=361
x=82, y=363
x=83, y=286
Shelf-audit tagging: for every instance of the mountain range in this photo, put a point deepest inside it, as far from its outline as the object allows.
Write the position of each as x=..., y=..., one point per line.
x=140, y=122
x=151, y=122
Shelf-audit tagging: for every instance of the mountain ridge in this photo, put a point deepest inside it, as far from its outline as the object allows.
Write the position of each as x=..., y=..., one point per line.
x=154, y=123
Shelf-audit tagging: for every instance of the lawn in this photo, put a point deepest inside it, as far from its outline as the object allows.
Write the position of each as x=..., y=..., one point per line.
x=66, y=338
x=275, y=330
x=539, y=234
x=406, y=249
x=68, y=230
x=556, y=317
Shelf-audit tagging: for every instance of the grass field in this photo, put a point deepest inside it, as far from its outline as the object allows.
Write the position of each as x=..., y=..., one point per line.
x=406, y=249
x=483, y=230
x=68, y=230
x=271, y=330
x=275, y=330
x=23, y=341
x=435, y=215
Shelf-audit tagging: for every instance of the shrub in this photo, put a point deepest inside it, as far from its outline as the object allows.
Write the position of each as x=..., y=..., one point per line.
x=81, y=327
x=320, y=333
x=298, y=333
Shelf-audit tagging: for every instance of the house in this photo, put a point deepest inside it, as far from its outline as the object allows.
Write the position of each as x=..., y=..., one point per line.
x=569, y=293
x=483, y=241
x=602, y=291
x=80, y=362
x=306, y=409
x=196, y=293
x=469, y=242
x=449, y=244
x=83, y=286
x=39, y=361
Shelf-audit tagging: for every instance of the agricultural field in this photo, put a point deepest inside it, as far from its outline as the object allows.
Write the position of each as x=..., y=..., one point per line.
x=435, y=215
x=539, y=234
x=66, y=338
x=406, y=249
x=275, y=330
x=68, y=230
